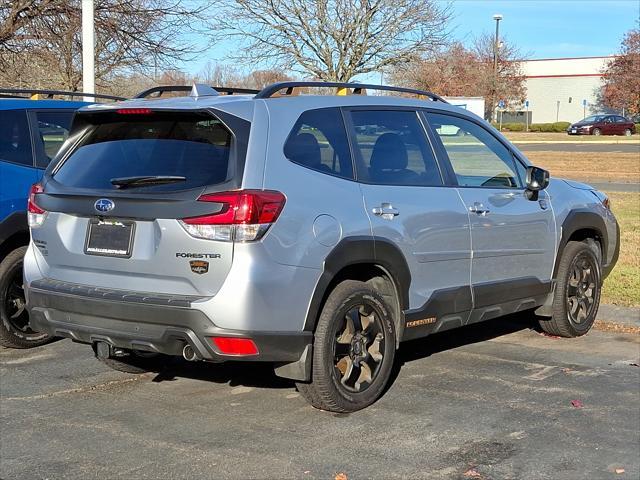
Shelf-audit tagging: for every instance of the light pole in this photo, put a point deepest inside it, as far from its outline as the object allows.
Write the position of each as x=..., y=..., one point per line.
x=88, y=49
x=497, y=17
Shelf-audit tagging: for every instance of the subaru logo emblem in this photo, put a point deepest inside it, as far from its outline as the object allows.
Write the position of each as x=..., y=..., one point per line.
x=104, y=205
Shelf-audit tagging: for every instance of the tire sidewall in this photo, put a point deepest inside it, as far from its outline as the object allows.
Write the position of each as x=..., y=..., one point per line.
x=9, y=264
x=575, y=250
x=356, y=296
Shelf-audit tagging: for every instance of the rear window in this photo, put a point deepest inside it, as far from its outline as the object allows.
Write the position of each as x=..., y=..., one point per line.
x=196, y=146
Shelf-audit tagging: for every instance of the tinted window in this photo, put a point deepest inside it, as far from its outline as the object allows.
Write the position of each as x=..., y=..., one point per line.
x=477, y=157
x=393, y=149
x=195, y=146
x=319, y=141
x=53, y=129
x=15, y=141
x=621, y=120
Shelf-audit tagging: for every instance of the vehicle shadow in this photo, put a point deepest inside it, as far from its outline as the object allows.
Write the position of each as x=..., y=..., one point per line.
x=261, y=375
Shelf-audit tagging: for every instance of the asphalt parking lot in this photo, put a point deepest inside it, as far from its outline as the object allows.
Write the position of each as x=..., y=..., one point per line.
x=492, y=400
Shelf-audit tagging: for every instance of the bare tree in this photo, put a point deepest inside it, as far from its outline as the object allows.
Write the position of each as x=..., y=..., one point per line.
x=621, y=89
x=261, y=78
x=333, y=40
x=16, y=15
x=131, y=35
x=220, y=74
x=469, y=72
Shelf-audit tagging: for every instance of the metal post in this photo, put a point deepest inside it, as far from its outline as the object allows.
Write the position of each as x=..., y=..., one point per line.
x=497, y=17
x=526, y=118
x=501, y=110
x=557, y=110
x=88, y=49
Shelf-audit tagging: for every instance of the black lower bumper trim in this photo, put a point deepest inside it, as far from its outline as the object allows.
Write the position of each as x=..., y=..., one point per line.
x=150, y=327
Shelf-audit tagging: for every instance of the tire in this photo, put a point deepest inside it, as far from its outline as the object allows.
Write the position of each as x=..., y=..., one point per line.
x=14, y=325
x=129, y=361
x=352, y=362
x=597, y=132
x=574, y=306
x=627, y=132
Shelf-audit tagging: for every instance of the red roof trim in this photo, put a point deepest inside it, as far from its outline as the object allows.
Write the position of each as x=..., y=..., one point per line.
x=567, y=58
x=569, y=75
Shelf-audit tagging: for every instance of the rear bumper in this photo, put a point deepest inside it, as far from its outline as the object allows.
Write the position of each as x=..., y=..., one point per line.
x=132, y=320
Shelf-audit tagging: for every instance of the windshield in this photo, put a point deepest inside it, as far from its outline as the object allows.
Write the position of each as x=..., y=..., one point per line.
x=194, y=146
x=594, y=118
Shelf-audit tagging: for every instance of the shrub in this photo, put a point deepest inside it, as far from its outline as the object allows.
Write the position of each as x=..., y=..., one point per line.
x=534, y=127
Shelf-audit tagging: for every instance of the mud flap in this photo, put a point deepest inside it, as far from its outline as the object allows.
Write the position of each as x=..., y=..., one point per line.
x=299, y=370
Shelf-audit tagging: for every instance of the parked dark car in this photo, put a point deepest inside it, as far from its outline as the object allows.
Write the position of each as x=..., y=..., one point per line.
x=603, y=125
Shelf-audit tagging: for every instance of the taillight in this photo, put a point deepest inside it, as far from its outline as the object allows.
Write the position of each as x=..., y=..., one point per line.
x=245, y=216
x=35, y=214
x=235, y=346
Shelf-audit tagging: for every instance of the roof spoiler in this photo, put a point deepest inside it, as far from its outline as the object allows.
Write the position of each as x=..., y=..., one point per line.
x=189, y=88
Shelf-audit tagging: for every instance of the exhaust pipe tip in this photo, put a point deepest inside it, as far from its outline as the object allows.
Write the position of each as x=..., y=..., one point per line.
x=189, y=354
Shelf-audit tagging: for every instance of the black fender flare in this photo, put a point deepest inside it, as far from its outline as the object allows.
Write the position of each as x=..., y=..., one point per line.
x=360, y=250
x=581, y=219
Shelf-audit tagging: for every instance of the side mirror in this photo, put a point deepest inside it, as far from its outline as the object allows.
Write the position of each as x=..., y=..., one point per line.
x=537, y=179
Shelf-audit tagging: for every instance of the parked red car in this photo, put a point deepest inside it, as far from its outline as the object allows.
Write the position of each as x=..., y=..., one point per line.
x=603, y=125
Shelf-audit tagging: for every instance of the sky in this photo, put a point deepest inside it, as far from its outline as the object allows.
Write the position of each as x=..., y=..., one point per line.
x=539, y=28
x=551, y=28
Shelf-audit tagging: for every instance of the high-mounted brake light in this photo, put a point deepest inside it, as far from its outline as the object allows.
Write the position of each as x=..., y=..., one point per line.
x=235, y=346
x=244, y=215
x=35, y=214
x=134, y=111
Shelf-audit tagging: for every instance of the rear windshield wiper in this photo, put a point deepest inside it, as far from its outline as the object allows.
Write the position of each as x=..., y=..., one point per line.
x=126, y=182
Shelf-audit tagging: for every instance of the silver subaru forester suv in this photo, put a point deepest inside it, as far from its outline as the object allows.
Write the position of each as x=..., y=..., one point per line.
x=315, y=232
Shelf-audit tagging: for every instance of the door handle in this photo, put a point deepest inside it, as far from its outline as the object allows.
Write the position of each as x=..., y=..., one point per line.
x=479, y=208
x=386, y=211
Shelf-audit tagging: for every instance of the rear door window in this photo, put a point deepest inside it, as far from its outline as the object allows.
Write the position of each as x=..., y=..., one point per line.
x=15, y=139
x=392, y=149
x=52, y=129
x=318, y=141
x=196, y=146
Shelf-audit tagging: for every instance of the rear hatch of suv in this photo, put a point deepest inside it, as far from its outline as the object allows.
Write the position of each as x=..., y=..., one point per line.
x=134, y=201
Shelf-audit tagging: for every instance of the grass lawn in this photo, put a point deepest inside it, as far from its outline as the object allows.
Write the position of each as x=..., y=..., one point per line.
x=622, y=287
x=589, y=166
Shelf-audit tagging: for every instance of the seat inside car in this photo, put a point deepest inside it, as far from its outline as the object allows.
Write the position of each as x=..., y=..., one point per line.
x=305, y=150
x=389, y=161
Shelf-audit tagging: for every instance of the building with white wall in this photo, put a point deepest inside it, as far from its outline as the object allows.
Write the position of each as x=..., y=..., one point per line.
x=557, y=87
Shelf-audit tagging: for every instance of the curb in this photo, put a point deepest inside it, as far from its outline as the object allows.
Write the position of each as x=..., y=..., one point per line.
x=618, y=314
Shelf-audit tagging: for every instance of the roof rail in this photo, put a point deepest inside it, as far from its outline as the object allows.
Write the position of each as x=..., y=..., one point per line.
x=21, y=92
x=187, y=88
x=274, y=88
